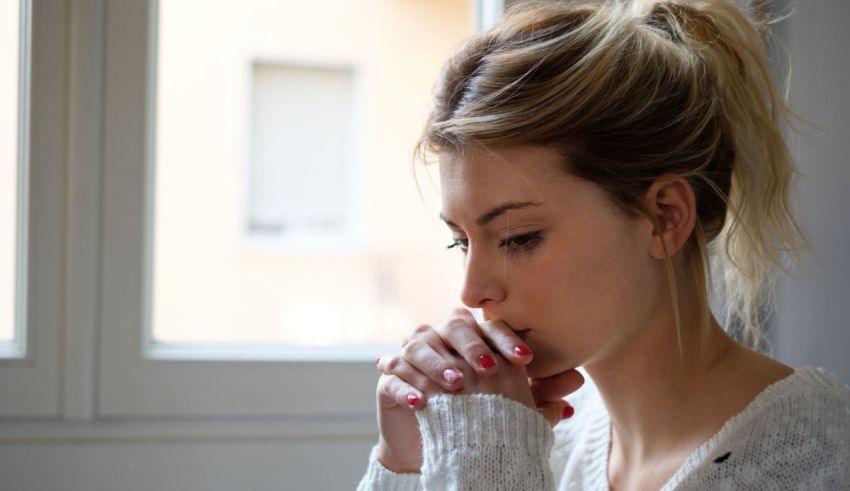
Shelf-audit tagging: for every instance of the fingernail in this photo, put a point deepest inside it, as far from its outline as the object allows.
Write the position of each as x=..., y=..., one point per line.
x=451, y=375
x=377, y=360
x=522, y=350
x=412, y=399
x=568, y=412
x=486, y=361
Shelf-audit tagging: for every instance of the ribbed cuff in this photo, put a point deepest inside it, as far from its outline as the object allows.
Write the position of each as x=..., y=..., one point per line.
x=451, y=422
x=380, y=478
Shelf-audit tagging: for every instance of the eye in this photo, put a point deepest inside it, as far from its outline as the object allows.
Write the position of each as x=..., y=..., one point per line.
x=462, y=244
x=520, y=243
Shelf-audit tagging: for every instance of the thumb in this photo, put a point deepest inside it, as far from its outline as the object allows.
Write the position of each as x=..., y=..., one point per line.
x=555, y=387
x=556, y=411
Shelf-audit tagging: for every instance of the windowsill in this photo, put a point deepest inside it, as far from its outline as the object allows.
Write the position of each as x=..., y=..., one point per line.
x=11, y=350
x=262, y=352
x=183, y=430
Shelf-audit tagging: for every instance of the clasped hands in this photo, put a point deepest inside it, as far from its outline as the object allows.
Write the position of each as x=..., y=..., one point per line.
x=462, y=356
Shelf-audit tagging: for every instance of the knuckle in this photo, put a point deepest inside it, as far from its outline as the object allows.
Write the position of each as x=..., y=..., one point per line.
x=461, y=312
x=437, y=367
x=421, y=329
x=393, y=363
x=410, y=349
x=475, y=348
x=417, y=332
x=455, y=324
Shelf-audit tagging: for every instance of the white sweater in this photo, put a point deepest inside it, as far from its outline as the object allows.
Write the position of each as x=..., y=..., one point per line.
x=794, y=435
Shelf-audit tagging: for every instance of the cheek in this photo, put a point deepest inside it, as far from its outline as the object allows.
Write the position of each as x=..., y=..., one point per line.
x=596, y=292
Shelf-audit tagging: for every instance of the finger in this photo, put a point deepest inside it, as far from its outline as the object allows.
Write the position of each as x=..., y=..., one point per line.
x=462, y=334
x=398, y=366
x=429, y=335
x=556, y=411
x=426, y=360
x=557, y=386
x=393, y=391
x=500, y=336
x=419, y=331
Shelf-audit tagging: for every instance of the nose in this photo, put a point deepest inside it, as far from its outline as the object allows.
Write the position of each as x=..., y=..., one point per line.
x=483, y=282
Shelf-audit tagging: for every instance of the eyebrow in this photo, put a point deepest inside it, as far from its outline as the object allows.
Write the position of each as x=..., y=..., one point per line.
x=495, y=212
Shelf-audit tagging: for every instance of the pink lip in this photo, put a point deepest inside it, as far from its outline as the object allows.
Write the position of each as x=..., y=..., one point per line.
x=522, y=334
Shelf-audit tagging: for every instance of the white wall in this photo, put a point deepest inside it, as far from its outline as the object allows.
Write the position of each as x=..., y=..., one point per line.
x=813, y=311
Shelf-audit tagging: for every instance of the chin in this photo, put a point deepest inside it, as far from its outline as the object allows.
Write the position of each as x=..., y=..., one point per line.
x=536, y=369
x=533, y=372
x=543, y=367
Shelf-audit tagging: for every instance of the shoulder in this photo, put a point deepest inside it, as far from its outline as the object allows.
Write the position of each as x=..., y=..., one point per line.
x=805, y=417
x=806, y=405
x=796, y=433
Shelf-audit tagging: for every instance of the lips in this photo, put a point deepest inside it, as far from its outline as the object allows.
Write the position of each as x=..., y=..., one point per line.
x=523, y=333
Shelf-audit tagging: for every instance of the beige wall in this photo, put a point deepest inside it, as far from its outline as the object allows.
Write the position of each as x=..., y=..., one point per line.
x=210, y=283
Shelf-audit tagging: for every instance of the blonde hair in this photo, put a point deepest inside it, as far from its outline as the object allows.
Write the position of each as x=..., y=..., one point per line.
x=628, y=91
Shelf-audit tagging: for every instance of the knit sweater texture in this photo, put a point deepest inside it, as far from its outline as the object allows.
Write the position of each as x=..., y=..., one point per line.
x=794, y=435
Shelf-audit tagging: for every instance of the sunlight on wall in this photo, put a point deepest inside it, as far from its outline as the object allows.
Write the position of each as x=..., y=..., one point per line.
x=211, y=281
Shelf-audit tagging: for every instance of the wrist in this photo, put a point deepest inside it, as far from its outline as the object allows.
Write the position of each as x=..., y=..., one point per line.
x=486, y=420
x=396, y=463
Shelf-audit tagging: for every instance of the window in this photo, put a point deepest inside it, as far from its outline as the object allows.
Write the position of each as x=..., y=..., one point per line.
x=207, y=307
x=103, y=340
x=33, y=212
x=285, y=215
x=302, y=190
x=10, y=21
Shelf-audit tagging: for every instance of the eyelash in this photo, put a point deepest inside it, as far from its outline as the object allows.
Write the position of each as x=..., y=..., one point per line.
x=521, y=243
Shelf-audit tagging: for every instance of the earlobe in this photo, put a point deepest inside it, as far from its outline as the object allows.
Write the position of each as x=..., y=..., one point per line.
x=671, y=202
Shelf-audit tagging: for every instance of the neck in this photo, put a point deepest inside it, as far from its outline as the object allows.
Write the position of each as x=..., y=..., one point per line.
x=656, y=393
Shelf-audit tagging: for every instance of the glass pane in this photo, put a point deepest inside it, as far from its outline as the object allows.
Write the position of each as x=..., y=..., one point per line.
x=298, y=186
x=9, y=44
x=285, y=206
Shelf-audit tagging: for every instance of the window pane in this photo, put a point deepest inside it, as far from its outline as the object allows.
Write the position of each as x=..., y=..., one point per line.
x=299, y=186
x=9, y=44
x=285, y=206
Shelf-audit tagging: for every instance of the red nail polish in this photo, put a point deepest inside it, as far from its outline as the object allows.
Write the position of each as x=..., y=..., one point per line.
x=522, y=350
x=568, y=412
x=412, y=399
x=486, y=361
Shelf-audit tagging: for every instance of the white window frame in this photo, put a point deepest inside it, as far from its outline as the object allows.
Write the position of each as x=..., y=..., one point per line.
x=488, y=12
x=88, y=356
x=29, y=379
x=134, y=378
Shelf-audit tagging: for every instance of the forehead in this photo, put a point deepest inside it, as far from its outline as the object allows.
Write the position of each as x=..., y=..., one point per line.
x=492, y=175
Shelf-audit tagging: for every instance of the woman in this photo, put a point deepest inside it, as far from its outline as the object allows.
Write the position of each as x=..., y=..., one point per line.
x=597, y=163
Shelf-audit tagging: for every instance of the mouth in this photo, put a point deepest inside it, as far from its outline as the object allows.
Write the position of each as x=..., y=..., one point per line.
x=522, y=333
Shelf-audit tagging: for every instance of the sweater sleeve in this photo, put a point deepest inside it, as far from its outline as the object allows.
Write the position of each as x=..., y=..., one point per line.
x=484, y=442
x=379, y=478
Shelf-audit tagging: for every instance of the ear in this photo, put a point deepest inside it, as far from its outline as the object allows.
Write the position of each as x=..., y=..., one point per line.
x=671, y=202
